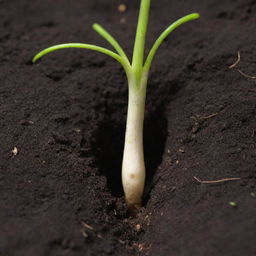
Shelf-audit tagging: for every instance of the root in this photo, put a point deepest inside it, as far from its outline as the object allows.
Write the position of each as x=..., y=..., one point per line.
x=215, y=181
x=240, y=71
x=237, y=61
x=245, y=75
x=208, y=117
x=198, y=118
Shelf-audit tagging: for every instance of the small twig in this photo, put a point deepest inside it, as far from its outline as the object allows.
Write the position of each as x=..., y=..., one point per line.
x=245, y=75
x=87, y=226
x=197, y=118
x=215, y=181
x=237, y=61
x=240, y=71
x=208, y=117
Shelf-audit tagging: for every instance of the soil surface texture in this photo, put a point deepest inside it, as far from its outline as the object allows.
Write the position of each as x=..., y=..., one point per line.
x=62, y=124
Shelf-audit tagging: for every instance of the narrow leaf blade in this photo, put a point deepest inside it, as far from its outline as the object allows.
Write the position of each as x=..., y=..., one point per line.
x=117, y=57
x=164, y=34
x=110, y=39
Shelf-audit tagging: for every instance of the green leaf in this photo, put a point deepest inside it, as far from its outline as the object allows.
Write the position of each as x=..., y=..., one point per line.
x=117, y=57
x=166, y=32
x=109, y=38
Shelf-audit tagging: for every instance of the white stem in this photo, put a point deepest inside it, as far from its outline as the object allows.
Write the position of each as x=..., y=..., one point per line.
x=133, y=167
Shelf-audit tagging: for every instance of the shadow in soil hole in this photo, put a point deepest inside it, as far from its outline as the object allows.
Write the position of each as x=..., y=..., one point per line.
x=109, y=143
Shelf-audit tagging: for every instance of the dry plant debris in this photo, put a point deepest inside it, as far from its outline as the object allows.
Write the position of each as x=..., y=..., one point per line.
x=245, y=75
x=237, y=61
x=197, y=118
x=15, y=151
x=239, y=70
x=215, y=181
x=87, y=226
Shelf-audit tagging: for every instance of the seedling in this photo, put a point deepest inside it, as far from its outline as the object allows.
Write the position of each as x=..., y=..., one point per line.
x=137, y=71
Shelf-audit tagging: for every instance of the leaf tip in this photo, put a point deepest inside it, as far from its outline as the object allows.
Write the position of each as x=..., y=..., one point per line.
x=196, y=15
x=95, y=26
x=34, y=59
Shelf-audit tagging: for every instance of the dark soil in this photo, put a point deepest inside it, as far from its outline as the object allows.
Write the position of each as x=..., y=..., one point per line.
x=66, y=118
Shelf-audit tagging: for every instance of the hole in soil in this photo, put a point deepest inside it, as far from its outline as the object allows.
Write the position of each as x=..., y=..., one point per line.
x=109, y=143
x=108, y=152
x=109, y=139
x=155, y=134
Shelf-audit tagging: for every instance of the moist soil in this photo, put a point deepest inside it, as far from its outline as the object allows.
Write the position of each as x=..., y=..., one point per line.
x=62, y=124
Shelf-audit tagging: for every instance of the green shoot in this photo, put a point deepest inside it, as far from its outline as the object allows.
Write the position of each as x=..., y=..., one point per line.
x=139, y=45
x=166, y=32
x=133, y=166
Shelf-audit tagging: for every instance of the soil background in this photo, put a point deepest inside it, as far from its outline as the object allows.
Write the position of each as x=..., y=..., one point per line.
x=66, y=117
